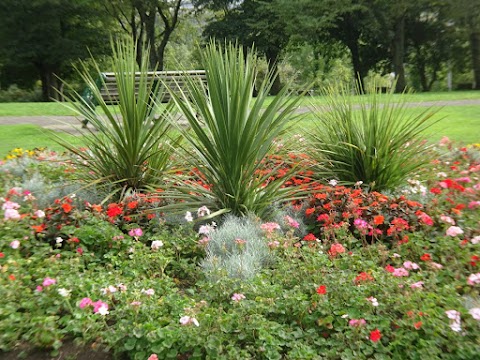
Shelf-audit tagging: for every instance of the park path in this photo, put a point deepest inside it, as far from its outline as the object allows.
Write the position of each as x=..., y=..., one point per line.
x=72, y=124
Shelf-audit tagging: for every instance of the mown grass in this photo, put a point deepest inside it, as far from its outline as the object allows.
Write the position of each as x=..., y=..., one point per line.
x=59, y=109
x=29, y=137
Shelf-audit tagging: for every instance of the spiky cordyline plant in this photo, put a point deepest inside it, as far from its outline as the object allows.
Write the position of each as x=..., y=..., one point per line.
x=129, y=151
x=230, y=133
x=373, y=140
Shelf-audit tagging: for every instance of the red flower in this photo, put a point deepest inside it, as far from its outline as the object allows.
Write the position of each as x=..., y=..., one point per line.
x=322, y=290
x=309, y=237
x=474, y=259
x=426, y=257
x=39, y=228
x=2, y=255
x=363, y=277
x=436, y=190
x=80, y=251
x=336, y=249
x=114, y=210
x=11, y=277
x=309, y=211
x=378, y=220
x=389, y=268
x=375, y=335
x=417, y=325
x=132, y=204
x=66, y=207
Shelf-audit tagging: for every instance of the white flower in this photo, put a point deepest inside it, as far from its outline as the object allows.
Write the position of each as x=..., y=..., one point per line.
x=64, y=292
x=373, y=300
x=103, y=310
x=203, y=211
x=186, y=320
x=333, y=182
x=15, y=244
x=59, y=240
x=40, y=214
x=189, y=216
x=475, y=312
x=157, y=244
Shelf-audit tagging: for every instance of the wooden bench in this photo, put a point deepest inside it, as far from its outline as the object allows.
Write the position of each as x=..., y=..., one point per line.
x=175, y=80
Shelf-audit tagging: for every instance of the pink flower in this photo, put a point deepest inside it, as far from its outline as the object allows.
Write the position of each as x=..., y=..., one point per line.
x=15, y=244
x=206, y=229
x=473, y=279
x=336, y=249
x=292, y=222
x=476, y=240
x=153, y=357
x=445, y=141
x=454, y=231
x=399, y=272
x=417, y=285
x=39, y=288
x=204, y=241
x=410, y=265
x=464, y=179
x=12, y=214
x=149, y=292
x=187, y=320
x=357, y=322
x=99, y=307
x=49, y=281
x=473, y=204
x=436, y=265
x=135, y=232
x=270, y=227
x=360, y=224
x=136, y=303
x=447, y=219
x=238, y=297
x=203, y=211
x=273, y=244
x=85, y=302
x=475, y=312
x=7, y=205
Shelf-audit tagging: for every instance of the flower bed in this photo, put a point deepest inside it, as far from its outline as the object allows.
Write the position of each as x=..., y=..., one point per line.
x=343, y=274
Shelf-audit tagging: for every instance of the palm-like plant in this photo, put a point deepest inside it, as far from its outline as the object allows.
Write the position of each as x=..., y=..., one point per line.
x=230, y=133
x=379, y=143
x=127, y=151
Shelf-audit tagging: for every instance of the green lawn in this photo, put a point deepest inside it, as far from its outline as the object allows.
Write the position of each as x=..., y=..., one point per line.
x=29, y=137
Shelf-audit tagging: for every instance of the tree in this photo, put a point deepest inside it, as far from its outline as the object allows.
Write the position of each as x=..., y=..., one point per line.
x=50, y=34
x=251, y=23
x=148, y=21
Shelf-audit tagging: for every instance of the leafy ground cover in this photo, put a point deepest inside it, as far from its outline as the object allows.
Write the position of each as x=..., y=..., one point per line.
x=343, y=273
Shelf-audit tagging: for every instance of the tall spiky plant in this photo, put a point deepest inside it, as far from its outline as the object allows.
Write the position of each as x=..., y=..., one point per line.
x=373, y=138
x=231, y=132
x=128, y=151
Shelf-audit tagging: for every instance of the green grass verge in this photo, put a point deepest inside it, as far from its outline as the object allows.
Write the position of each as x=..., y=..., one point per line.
x=29, y=137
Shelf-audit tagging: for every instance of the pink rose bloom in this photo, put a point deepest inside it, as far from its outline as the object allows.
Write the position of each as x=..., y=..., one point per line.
x=475, y=312
x=399, y=272
x=15, y=244
x=135, y=232
x=454, y=231
x=238, y=297
x=12, y=214
x=85, y=302
x=49, y=281
x=153, y=357
x=357, y=322
x=417, y=285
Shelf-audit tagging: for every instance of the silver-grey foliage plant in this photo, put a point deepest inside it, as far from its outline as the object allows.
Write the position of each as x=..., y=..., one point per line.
x=236, y=249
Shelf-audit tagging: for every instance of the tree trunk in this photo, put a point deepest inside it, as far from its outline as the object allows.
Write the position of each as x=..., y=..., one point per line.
x=398, y=54
x=50, y=83
x=358, y=68
x=272, y=60
x=475, y=49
